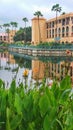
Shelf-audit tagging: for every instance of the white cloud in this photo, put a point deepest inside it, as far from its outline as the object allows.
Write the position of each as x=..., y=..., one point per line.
x=15, y=10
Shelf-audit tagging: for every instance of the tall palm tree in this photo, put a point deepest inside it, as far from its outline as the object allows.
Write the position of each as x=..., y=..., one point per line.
x=15, y=24
x=7, y=30
x=12, y=24
x=25, y=20
x=0, y=29
x=57, y=9
x=6, y=26
x=38, y=14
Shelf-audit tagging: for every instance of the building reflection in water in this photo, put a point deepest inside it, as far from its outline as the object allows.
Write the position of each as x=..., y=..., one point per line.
x=52, y=70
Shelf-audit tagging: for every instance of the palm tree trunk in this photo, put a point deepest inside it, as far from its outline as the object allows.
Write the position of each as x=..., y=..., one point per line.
x=39, y=30
x=56, y=23
x=25, y=33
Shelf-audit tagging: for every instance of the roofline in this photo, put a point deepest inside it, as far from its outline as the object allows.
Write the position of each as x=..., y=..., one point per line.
x=60, y=17
x=36, y=18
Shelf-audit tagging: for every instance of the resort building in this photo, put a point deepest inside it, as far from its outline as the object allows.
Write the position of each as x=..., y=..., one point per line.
x=3, y=37
x=50, y=31
x=7, y=37
x=11, y=35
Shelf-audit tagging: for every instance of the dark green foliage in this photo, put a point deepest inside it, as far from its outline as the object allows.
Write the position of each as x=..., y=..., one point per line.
x=20, y=35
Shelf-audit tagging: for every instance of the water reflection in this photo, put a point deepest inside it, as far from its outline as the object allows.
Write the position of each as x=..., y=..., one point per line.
x=12, y=66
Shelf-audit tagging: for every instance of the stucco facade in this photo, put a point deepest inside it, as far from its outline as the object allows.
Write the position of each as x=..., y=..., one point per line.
x=49, y=32
x=7, y=37
x=38, y=30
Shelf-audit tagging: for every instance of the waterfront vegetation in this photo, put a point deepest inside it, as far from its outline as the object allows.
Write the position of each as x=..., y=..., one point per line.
x=40, y=108
x=44, y=45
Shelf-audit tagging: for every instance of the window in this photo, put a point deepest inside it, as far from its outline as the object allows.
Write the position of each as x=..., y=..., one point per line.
x=53, y=24
x=67, y=20
x=63, y=32
x=72, y=19
x=52, y=32
x=67, y=31
x=46, y=25
x=59, y=20
x=63, y=21
x=47, y=33
x=72, y=31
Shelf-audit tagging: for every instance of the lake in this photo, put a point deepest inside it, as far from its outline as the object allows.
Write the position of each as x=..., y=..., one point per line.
x=12, y=66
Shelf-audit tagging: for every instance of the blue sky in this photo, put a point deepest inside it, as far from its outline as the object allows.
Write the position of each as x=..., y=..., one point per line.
x=15, y=10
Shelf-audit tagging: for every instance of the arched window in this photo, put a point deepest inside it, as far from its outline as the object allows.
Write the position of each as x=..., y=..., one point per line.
x=63, y=32
x=67, y=31
x=52, y=32
x=55, y=32
x=66, y=42
x=59, y=31
x=72, y=31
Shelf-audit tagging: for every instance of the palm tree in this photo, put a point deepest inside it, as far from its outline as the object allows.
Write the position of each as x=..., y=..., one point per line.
x=57, y=9
x=7, y=25
x=15, y=24
x=63, y=13
x=12, y=24
x=38, y=14
x=7, y=30
x=0, y=29
x=25, y=20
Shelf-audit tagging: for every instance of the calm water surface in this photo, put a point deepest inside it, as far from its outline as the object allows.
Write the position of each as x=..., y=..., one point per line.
x=12, y=66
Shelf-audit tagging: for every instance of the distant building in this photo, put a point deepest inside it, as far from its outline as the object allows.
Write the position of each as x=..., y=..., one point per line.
x=48, y=31
x=11, y=35
x=7, y=37
x=3, y=37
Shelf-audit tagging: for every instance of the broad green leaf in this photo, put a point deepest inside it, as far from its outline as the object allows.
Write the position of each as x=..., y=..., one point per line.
x=2, y=84
x=66, y=83
x=18, y=104
x=46, y=124
x=44, y=104
x=15, y=122
x=7, y=120
x=13, y=87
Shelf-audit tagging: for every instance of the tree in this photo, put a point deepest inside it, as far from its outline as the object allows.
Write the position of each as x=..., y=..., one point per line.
x=12, y=24
x=19, y=36
x=57, y=9
x=7, y=25
x=63, y=13
x=25, y=20
x=0, y=29
x=38, y=14
x=15, y=24
x=7, y=31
